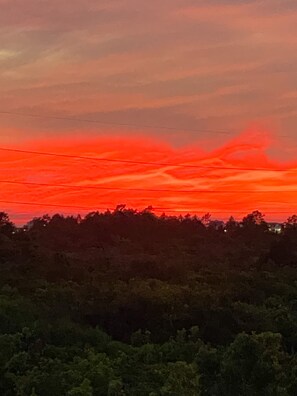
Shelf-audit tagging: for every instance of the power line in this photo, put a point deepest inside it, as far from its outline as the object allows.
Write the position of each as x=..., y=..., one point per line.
x=224, y=131
x=122, y=124
x=153, y=209
x=50, y=205
x=145, y=162
x=229, y=131
x=80, y=187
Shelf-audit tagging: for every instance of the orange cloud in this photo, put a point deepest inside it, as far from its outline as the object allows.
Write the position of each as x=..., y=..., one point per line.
x=206, y=184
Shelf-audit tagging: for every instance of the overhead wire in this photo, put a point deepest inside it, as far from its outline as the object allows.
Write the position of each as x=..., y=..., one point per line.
x=174, y=165
x=229, y=131
x=100, y=187
x=121, y=124
x=163, y=210
x=126, y=161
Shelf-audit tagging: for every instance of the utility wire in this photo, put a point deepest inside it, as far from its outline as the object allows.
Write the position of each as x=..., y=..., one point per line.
x=145, y=162
x=50, y=205
x=95, y=187
x=94, y=208
x=122, y=124
x=229, y=131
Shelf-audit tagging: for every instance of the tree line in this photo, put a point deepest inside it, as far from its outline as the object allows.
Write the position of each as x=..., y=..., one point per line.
x=130, y=303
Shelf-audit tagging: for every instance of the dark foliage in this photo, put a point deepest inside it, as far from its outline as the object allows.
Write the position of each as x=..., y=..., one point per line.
x=128, y=303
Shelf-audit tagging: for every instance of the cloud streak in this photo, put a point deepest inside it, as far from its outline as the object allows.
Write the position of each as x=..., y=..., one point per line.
x=242, y=190
x=220, y=64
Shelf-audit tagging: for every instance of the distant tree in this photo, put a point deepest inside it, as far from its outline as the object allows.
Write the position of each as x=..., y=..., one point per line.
x=182, y=379
x=254, y=229
x=205, y=219
x=148, y=209
x=252, y=365
x=208, y=360
x=291, y=222
x=139, y=338
x=231, y=225
x=283, y=251
x=6, y=226
x=84, y=389
x=38, y=223
x=120, y=208
x=255, y=218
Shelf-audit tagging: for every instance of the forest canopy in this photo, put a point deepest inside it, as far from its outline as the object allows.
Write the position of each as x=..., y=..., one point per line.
x=130, y=303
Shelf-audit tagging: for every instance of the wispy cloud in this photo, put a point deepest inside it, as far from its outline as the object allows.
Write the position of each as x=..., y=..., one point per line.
x=244, y=189
x=221, y=64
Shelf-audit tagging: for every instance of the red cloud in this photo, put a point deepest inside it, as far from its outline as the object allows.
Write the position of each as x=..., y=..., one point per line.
x=105, y=184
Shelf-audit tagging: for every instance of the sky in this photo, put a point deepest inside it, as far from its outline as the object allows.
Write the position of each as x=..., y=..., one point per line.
x=175, y=81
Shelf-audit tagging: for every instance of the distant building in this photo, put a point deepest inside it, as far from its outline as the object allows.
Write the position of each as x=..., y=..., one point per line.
x=275, y=227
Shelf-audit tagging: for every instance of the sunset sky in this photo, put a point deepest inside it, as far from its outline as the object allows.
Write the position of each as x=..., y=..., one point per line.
x=170, y=82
